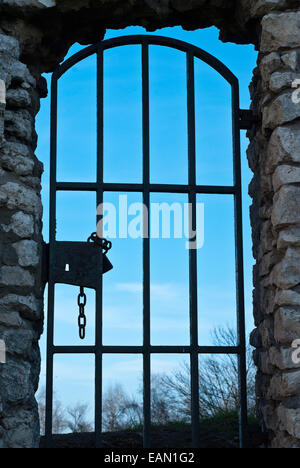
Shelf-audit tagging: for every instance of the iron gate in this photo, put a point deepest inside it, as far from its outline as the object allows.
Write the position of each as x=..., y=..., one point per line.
x=241, y=120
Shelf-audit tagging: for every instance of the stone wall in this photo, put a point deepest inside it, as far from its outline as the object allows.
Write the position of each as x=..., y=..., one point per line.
x=34, y=36
x=20, y=248
x=274, y=157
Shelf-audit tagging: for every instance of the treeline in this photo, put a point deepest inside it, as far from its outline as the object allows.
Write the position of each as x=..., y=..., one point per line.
x=170, y=395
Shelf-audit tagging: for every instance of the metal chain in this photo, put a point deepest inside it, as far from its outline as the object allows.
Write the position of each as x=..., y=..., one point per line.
x=82, y=300
x=104, y=244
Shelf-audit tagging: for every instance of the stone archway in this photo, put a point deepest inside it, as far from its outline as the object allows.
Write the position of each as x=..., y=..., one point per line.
x=34, y=37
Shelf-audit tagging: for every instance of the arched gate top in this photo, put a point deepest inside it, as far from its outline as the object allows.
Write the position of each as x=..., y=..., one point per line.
x=148, y=40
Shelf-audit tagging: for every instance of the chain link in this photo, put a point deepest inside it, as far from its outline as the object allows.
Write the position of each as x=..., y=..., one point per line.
x=82, y=300
x=105, y=245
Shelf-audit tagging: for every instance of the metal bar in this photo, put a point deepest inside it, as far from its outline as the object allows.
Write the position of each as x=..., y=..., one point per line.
x=73, y=350
x=99, y=299
x=241, y=327
x=49, y=369
x=247, y=119
x=51, y=286
x=148, y=40
x=157, y=188
x=141, y=350
x=146, y=250
x=193, y=253
x=77, y=186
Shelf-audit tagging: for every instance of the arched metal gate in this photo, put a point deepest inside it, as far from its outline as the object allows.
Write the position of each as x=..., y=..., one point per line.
x=241, y=120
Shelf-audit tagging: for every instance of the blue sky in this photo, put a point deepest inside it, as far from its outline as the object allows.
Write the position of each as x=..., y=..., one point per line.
x=123, y=163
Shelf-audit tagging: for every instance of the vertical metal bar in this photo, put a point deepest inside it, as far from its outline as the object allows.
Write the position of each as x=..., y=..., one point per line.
x=146, y=248
x=193, y=252
x=49, y=371
x=241, y=328
x=51, y=285
x=99, y=301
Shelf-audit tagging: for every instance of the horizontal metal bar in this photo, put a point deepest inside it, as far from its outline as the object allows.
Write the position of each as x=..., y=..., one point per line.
x=155, y=188
x=73, y=350
x=77, y=186
x=142, y=349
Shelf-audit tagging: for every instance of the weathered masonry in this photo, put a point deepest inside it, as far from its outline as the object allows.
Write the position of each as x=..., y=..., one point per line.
x=34, y=37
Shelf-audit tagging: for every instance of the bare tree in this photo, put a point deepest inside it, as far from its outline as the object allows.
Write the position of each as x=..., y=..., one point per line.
x=218, y=381
x=59, y=416
x=219, y=376
x=114, y=403
x=77, y=418
x=119, y=410
x=166, y=405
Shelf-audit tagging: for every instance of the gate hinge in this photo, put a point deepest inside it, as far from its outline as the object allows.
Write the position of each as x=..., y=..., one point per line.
x=45, y=263
x=247, y=119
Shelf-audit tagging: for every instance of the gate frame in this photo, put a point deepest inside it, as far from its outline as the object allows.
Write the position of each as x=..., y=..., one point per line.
x=241, y=120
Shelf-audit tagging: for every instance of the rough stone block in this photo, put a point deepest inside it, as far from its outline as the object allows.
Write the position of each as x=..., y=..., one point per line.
x=15, y=381
x=9, y=318
x=280, y=30
x=282, y=110
x=9, y=46
x=286, y=209
x=282, y=440
x=291, y=59
x=287, y=325
x=280, y=81
x=28, y=307
x=27, y=251
x=289, y=420
x=19, y=124
x=269, y=64
x=16, y=196
x=18, y=342
x=266, y=332
x=18, y=98
x=20, y=75
x=16, y=277
x=287, y=298
x=284, y=385
x=18, y=158
x=286, y=274
x=282, y=358
x=283, y=147
x=260, y=8
x=268, y=411
x=289, y=237
x=285, y=175
x=22, y=225
x=266, y=264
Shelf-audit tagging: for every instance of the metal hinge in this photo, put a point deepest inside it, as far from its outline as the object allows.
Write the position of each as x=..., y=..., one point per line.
x=247, y=119
x=45, y=263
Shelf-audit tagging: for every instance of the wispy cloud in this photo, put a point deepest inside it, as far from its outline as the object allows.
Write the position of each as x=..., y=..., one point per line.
x=164, y=291
x=129, y=287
